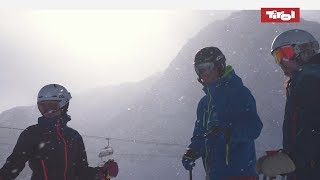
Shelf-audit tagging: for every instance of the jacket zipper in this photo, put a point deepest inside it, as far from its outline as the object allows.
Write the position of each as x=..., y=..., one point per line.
x=44, y=170
x=65, y=150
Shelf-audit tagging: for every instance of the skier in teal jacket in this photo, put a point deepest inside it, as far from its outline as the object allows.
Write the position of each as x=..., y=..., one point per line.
x=227, y=122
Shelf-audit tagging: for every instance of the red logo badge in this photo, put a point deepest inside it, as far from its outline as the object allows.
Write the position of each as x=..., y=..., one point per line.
x=282, y=15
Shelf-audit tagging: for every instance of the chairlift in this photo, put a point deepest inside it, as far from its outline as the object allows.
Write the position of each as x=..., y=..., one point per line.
x=106, y=151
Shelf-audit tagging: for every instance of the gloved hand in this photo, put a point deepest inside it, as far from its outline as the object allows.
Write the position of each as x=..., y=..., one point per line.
x=259, y=164
x=188, y=159
x=109, y=170
x=275, y=163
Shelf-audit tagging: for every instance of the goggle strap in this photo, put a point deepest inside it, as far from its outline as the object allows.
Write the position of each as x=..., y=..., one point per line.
x=296, y=50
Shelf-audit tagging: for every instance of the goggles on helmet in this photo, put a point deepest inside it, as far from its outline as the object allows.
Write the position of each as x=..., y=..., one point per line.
x=283, y=53
x=203, y=67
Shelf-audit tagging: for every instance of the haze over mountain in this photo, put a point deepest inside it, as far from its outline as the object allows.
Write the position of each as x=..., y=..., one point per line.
x=162, y=108
x=85, y=49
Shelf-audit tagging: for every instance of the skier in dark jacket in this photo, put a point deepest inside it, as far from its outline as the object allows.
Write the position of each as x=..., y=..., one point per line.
x=227, y=122
x=296, y=51
x=54, y=150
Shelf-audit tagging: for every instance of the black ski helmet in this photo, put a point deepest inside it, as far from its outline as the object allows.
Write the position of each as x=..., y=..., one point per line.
x=211, y=54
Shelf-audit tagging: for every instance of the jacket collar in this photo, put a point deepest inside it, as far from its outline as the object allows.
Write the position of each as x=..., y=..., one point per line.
x=53, y=122
x=224, y=79
x=312, y=66
x=315, y=59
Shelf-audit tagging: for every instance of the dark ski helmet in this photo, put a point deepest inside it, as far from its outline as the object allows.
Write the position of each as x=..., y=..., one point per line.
x=211, y=54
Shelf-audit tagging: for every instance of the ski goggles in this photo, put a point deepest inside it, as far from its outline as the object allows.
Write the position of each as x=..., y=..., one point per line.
x=48, y=106
x=203, y=67
x=283, y=53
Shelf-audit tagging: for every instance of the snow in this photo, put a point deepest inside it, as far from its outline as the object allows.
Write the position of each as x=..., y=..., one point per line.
x=41, y=145
x=14, y=171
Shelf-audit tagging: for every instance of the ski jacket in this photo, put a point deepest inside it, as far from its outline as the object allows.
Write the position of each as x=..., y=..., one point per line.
x=230, y=106
x=54, y=152
x=301, y=126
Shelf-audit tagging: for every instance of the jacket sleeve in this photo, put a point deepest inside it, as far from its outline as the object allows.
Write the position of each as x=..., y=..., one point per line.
x=19, y=156
x=197, y=140
x=307, y=141
x=83, y=171
x=243, y=119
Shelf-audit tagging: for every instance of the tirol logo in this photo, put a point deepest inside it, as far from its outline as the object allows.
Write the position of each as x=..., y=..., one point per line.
x=280, y=15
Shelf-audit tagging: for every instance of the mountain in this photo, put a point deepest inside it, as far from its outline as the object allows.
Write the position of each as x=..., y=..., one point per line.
x=246, y=43
x=311, y=15
x=162, y=109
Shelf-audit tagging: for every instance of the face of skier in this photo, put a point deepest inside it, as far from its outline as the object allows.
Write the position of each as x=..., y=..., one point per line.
x=49, y=109
x=285, y=58
x=207, y=73
x=289, y=67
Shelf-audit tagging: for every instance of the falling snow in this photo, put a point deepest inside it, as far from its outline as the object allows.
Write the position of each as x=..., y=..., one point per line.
x=41, y=145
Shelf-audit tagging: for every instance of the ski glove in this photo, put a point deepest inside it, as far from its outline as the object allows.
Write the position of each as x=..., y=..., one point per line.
x=275, y=163
x=188, y=159
x=109, y=170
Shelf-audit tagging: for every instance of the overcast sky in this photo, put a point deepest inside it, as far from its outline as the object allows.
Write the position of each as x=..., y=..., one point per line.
x=85, y=49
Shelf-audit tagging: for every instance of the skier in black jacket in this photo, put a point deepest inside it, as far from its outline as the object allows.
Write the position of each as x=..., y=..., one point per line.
x=54, y=150
x=296, y=51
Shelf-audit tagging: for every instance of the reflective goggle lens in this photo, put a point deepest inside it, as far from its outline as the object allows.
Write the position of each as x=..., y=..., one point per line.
x=203, y=67
x=286, y=52
x=46, y=106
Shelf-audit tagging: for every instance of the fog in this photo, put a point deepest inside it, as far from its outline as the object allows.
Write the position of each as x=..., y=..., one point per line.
x=150, y=121
x=85, y=49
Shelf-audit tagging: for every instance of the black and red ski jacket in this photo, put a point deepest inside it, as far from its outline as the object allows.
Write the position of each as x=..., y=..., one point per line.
x=301, y=126
x=54, y=152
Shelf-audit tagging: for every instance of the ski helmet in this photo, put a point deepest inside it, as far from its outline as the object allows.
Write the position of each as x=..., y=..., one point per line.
x=54, y=92
x=300, y=41
x=209, y=54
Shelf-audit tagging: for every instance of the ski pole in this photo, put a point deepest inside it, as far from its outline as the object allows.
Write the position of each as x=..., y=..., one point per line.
x=190, y=174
